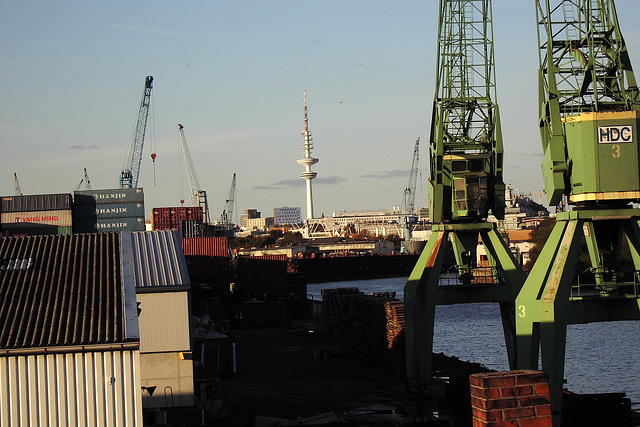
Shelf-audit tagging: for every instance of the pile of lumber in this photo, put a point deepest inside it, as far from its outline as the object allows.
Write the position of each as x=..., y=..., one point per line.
x=369, y=327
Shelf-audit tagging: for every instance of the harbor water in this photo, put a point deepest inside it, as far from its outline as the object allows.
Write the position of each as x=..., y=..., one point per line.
x=600, y=357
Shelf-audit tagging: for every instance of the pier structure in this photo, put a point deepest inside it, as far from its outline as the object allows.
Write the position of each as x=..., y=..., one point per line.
x=466, y=186
x=589, y=118
x=307, y=161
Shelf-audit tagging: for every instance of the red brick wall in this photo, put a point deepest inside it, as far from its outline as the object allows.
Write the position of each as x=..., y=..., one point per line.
x=514, y=398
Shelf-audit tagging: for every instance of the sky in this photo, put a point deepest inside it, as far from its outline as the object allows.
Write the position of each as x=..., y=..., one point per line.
x=233, y=73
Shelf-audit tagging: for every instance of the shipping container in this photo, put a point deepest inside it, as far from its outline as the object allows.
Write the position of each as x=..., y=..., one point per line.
x=110, y=196
x=169, y=218
x=31, y=229
x=108, y=211
x=36, y=202
x=191, y=228
x=207, y=246
x=61, y=218
x=105, y=225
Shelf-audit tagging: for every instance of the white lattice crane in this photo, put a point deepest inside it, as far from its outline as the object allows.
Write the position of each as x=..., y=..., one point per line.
x=409, y=197
x=227, y=214
x=131, y=167
x=17, y=184
x=198, y=196
x=85, y=181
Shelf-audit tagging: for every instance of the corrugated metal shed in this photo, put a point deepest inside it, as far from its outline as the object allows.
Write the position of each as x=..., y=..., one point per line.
x=164, y=321
x=68, y=332
x=71, y=389
x=63, y=290
x=158, y=259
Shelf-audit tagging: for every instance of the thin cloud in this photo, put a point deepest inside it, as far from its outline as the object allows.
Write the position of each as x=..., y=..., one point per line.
x=387, y=174
x=330, y=180
x=82, y=147
x=288, y=183
x=265, y=187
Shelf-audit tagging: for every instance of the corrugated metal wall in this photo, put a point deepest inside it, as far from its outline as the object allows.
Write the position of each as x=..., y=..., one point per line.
x=71, y=389
x=158, y=258
x=164, y=322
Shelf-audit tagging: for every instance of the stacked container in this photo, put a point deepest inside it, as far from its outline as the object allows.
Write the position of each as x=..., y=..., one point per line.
x=191, y=228
x=206, y=246
x=108, y=210
x=36, y=214
x=170, y=218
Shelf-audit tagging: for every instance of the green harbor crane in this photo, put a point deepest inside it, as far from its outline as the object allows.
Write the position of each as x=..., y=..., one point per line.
x=588, y=117
x=465, y=187
x=131, y=166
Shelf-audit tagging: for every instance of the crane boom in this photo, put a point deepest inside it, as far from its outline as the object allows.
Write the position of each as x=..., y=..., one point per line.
x=409, y=198
x=227, y=214
x=131, y=167
x=16, y=184
x=466, y=140
x=198, y=196
x=85, y=181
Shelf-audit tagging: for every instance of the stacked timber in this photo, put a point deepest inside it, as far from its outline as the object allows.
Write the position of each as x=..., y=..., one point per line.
x=369, y=327
x=395, y=320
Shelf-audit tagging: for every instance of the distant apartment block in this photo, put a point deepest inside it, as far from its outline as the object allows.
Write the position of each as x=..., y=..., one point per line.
x=251, y=220
x=287, y=215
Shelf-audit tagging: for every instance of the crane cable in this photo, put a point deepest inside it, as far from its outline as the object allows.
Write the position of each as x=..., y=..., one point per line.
x=180, y=168
x=153, y=138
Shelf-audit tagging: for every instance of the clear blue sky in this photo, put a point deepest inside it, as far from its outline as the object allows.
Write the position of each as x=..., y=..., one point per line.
x=233, y=73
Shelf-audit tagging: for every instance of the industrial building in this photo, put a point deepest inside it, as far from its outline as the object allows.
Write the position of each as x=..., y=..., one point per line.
x=69, y=340
x=95, y=327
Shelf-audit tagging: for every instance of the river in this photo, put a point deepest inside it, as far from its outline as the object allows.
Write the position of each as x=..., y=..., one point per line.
x=600, y=357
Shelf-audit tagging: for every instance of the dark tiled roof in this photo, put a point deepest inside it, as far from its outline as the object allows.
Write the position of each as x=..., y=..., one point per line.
x=62, y=290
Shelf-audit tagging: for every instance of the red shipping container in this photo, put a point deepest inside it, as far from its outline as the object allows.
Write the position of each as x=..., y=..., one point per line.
x=207, y=246
x=169, y=218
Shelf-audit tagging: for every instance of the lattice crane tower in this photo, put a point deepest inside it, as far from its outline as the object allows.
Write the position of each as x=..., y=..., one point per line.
x=466, y=185
x=589, y=118
x=307, y=161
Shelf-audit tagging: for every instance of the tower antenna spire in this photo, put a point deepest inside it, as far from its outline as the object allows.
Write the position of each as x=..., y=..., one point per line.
x=307, y=161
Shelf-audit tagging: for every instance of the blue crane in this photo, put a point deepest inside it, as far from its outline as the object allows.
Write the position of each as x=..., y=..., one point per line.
x=131, y=166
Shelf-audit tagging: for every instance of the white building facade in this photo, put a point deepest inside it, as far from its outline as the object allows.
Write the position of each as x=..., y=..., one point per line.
x=287, y=215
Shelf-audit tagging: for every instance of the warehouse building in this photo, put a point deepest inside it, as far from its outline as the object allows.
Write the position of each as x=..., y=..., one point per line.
x=69, y=338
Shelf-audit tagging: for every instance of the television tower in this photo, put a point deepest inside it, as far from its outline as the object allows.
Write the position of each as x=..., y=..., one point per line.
x=307, y=161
